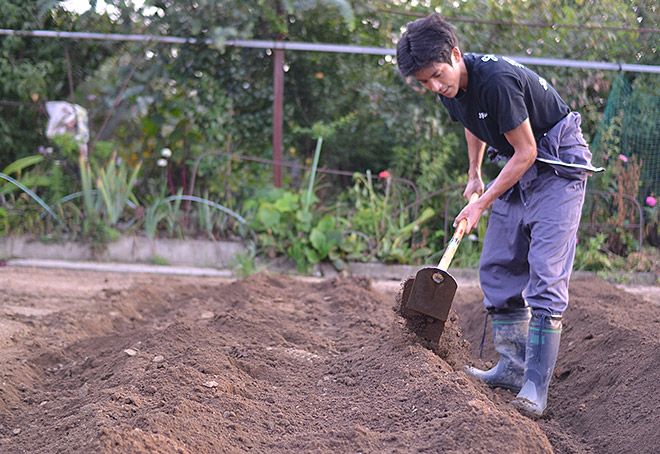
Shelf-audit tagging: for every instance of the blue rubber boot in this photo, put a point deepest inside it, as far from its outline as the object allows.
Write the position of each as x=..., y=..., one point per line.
x=510, y=330
x=540, y=360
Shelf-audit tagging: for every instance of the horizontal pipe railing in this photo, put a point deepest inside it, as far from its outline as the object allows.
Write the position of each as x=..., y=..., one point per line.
x=315, y=47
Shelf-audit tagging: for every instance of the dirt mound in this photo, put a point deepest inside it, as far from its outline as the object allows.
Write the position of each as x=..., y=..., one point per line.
x=136, y=364
x=603, y=395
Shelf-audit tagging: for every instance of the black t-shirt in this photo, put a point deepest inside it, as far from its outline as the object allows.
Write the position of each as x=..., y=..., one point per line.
x=501, y=94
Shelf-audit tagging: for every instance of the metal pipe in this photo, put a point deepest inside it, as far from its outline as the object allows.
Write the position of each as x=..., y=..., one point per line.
x=587, y=64
x=278, y=115
x=314, y=47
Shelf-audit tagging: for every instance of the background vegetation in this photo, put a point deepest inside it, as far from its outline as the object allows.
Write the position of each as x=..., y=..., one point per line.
x=181, y=133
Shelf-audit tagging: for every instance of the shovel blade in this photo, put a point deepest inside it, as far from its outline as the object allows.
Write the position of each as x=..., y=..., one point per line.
x=432, y=293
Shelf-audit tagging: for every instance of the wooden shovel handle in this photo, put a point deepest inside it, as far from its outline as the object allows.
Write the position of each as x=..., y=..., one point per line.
x=455, y=240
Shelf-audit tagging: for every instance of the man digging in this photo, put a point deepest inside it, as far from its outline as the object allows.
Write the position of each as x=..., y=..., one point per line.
x=535, y=201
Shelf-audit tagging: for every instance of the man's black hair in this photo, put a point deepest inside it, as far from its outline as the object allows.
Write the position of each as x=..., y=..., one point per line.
x=426, y=41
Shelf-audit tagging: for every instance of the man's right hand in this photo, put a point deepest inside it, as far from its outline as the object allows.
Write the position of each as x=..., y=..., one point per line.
x=474, y=185
x=471, y=213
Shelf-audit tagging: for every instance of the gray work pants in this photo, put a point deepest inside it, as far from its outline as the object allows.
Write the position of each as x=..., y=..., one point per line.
x=530, y=244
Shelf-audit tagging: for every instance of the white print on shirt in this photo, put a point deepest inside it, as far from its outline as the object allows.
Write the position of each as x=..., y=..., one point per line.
x=543, y=83
x=512, y=62
x=483, y=115
x=489, y=57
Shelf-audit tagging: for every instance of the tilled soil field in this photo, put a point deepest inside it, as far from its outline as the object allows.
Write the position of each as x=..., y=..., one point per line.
x=115, y=363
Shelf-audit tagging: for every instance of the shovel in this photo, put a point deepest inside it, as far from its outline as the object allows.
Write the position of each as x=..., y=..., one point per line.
x=426, y=299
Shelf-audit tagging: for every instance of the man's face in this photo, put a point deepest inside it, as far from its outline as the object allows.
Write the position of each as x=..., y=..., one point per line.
x=442, y=78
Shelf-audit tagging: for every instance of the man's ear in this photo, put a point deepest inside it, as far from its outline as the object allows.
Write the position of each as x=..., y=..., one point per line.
x=456, y=55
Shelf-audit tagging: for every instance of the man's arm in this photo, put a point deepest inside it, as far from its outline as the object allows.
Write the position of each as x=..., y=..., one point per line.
x=476, y=148
x=524, y=155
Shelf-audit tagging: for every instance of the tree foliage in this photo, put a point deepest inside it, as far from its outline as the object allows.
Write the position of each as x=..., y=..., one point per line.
x=34, y=71
x=192, y=98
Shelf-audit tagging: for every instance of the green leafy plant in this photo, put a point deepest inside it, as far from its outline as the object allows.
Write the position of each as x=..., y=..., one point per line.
x=205, y=215
x=283, y=226
x=159, y=260
x=4, y=223
x=246, y=263
x=105, y=205
x=206, y=219
x=371, y=215
x=92, y=221
x=593, y=255
x=17, y=167
x=154, y=214
x=115, y=184
x=174, y=217
x=620, y=184
x=13, y=184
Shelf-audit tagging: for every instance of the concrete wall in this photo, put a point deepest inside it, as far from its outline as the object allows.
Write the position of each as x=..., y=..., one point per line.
x=213, y=254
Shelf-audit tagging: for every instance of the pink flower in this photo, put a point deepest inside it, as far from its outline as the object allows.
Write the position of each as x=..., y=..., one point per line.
x=384, y=174
x=623, y=158
x=651, y=201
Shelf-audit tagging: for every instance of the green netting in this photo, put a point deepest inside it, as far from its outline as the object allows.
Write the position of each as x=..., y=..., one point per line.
x=631, y=124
